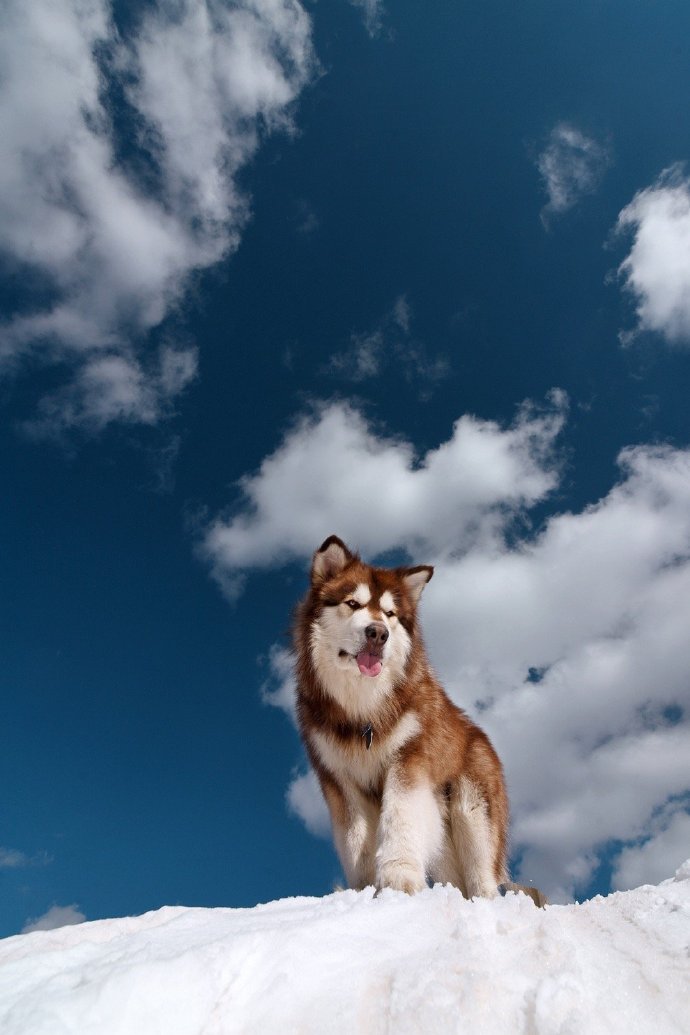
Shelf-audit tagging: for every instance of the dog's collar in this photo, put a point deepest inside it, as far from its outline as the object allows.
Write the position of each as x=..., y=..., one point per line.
x=346, y=730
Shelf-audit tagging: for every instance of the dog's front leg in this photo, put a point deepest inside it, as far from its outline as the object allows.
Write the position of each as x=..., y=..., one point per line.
x=354, y=819
x=410, y=833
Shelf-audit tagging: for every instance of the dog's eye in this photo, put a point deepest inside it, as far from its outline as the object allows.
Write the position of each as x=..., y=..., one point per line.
x=390, y=614
x=352, y=604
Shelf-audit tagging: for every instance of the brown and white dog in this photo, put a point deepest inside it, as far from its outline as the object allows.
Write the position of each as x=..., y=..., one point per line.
x=415, y=790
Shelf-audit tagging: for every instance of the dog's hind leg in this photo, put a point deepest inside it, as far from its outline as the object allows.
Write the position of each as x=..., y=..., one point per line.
x=445, y=867
x=476, y=841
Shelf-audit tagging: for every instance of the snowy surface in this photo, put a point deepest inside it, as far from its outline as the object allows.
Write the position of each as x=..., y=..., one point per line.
x=353, y=963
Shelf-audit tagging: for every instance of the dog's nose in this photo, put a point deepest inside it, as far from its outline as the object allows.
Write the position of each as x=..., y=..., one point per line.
x=376, y=634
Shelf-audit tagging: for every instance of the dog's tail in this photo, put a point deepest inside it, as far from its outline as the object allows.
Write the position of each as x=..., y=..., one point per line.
x=535, y=894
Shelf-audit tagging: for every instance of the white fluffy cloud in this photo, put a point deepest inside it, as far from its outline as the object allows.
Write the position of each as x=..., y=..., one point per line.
x=56, y=916
x=570, y=646
x=641, y=863
x=571, y=165
x=333, y=473
x=111, y=250
x=656, y=272
x=279, y=688
x=305, y=800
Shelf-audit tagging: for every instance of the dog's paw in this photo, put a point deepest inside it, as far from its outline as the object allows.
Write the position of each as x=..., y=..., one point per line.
x=401, y=878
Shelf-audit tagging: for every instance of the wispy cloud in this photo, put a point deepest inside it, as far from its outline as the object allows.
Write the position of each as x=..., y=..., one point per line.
x=278, y=689
x=108, y=224
x=362, y=360
x=305, y=218
x=56, y=916
x=571, y=166
x=656, y=272
x=13, y=859
x=372, y=12
x=569, y=645
x=389, y=347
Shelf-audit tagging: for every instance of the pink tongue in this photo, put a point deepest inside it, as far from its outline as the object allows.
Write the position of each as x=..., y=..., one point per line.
x=369, y=664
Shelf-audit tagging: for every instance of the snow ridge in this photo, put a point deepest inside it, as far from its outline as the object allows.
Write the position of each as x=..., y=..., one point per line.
x=353, y=963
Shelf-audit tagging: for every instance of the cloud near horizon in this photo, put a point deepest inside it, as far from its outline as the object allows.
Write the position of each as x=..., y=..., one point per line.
x=104, y=234
x=656, y=272
x=56, y=916
x=569, y=645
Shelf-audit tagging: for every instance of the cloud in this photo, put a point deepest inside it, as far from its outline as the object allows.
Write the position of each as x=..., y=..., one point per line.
x=572, y=648
x=119, y=180
x=56, y=916
x=303, y=795
x=363, y=359
x=305, y=801
x=12, y=859
x=402, y=314
x=571, y=166
x=568, y=644
x=642, y=863
x=389, y=346
x=656, y=272
x=372, y=12
x=279, y=689
x=332, y=472
x=113, y=387
x=305, y=218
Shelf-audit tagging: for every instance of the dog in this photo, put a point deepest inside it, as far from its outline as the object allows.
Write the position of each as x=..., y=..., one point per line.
x=416, y=792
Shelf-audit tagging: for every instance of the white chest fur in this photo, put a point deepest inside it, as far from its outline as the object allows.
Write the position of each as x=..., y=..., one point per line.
x=354, y=763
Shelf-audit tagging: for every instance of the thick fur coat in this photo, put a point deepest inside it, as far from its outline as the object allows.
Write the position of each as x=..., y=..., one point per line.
x=414, y=788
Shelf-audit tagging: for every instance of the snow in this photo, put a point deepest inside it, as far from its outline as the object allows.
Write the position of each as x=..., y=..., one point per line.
x=353, y=963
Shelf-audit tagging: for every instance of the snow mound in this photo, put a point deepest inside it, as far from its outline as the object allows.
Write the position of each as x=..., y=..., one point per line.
x=352, y=963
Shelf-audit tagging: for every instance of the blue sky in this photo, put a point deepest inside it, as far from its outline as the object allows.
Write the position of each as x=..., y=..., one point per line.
x=415, y=274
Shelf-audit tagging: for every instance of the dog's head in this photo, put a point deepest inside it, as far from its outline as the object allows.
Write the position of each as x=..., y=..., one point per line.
x=364, y=617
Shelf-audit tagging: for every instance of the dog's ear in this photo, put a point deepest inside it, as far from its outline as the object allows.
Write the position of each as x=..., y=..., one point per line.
x=330, y=559
x=415, y=580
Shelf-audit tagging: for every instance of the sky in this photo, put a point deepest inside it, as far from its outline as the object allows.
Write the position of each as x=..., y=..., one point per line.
x=416, y=275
